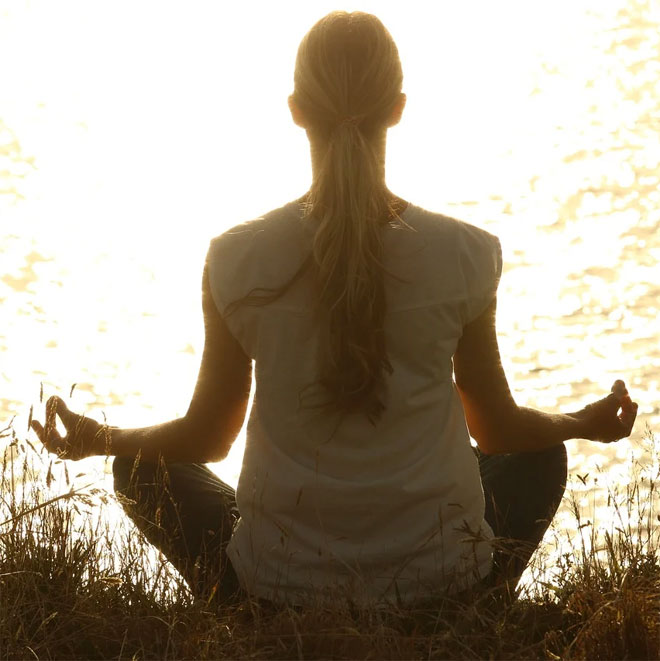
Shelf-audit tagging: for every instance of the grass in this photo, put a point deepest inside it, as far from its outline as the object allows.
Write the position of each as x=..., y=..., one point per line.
x=75, y=585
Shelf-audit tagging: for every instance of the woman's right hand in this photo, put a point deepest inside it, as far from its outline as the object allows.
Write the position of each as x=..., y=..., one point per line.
x=602, y=421
x=84, y=436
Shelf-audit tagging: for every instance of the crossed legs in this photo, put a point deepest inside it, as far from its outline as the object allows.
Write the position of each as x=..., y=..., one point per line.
x=188, y=513
x=522, y=493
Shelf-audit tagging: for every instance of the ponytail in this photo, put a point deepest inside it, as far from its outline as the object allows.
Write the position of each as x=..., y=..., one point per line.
x=348, y=82
x=348, y=63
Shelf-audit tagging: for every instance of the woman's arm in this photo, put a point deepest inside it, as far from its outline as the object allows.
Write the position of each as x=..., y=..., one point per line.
x=205, y=433
x=499, y=425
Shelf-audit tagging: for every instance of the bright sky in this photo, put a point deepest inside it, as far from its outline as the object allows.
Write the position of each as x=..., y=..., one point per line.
x=181, y=106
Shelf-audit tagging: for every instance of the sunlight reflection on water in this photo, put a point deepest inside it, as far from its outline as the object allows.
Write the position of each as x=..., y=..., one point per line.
x=101, y=264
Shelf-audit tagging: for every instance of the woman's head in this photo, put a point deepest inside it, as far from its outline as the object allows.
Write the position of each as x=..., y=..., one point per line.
x=347, y=67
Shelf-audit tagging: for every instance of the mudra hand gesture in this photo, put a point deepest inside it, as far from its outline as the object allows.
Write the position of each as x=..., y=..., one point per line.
x=602, y=420
x=84, y=436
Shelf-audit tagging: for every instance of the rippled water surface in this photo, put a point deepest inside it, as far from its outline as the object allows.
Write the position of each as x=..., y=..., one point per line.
x=116, y=168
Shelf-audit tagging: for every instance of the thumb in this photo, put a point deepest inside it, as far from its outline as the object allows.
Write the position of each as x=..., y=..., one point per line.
x=57, y=405
x=627, y=405
x=612, y=401
x=628, y=417
x=619, y=388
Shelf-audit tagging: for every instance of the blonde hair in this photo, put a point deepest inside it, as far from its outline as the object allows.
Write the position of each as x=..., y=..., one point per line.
x=347, y=83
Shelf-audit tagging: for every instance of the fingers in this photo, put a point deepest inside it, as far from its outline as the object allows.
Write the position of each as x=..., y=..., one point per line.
x=627, y=404
x=50, y=437
x=81, y=435
x=69, y=419
x=38, y=430
x=628, y=414
x=47, y=433
x=611, y=402
x=613, y=417
x=628, y=407
x=619, y=388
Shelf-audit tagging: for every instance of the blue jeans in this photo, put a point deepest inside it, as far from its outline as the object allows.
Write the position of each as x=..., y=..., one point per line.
x=522, y=493
x=188, y=513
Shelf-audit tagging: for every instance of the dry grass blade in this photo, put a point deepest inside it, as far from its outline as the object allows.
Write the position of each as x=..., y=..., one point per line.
x=31, y=510
x=76, y=585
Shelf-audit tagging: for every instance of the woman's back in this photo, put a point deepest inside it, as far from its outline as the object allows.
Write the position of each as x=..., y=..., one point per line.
x=330, y=498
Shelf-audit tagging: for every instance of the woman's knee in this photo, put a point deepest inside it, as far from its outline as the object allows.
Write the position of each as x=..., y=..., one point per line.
x=552, y=476
x=557, y=459
x=560, y=452
x=121, y=472
x=126, y=471
x=550, y=461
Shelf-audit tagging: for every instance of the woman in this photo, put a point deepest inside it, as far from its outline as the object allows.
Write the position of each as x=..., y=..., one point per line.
x=371, y=324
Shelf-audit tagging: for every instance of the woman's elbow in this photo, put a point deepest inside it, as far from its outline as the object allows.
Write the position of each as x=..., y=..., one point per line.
x=215, y=434
x=491, y=444
x=203, y=445
x=221, y=441
x=499, y=435
x=218, y=452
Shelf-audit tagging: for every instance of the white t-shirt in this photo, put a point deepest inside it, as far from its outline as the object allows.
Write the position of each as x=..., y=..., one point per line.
x=392, y=511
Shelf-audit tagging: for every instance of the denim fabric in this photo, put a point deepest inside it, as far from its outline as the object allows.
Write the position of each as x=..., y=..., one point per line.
x=188, y=513
x=522, y=493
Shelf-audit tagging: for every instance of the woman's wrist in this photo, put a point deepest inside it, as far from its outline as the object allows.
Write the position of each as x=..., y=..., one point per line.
x=103, y=440
x=548, y=429
x=578, y=425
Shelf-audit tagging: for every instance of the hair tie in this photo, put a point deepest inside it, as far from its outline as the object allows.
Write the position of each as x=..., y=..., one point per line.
x=350, y=121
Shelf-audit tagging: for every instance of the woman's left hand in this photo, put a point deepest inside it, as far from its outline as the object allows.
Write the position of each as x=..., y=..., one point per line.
x=602, y=422
x=84, y=437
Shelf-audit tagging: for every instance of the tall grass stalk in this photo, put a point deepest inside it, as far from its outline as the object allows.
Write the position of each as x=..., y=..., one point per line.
x=77, y=581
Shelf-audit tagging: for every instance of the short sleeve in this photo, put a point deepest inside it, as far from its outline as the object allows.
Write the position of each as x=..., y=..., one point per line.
x=214, y=265
x=253, y=257
x=482, y=270
x=227, y=257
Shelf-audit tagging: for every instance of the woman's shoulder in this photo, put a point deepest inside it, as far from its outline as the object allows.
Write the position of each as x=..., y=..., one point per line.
x=460, y=234
x=436, y=220
x=263, y=247
x=275, y=222
x=251, y=254
x=272, y=221
x=471, y=250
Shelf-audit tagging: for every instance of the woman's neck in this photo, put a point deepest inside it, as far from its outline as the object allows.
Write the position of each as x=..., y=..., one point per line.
x=317, y=150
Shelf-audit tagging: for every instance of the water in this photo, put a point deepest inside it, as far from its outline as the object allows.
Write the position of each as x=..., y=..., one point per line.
x=125, y=145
